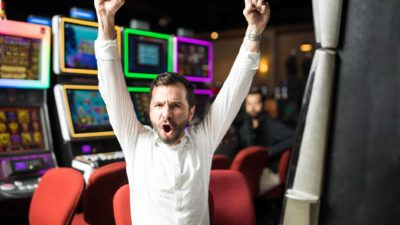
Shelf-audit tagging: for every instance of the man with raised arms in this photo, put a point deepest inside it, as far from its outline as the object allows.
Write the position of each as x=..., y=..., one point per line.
x=168, y=164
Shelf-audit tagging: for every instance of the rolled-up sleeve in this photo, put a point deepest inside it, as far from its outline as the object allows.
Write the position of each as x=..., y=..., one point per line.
x=229, y=99
x=115, y=94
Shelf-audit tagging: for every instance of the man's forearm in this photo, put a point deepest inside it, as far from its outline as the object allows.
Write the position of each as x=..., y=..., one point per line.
x=257, y=14
x=252, y=39
x=279, y=148
x=106, y=10
x=106, y=27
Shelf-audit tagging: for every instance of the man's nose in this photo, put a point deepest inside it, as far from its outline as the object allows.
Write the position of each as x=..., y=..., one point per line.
x=166, y=113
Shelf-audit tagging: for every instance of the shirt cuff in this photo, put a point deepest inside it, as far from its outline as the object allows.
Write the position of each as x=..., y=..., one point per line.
x=250, y=59
x=106, y=50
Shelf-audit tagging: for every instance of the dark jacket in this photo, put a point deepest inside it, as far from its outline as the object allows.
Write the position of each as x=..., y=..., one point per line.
x=270, y=133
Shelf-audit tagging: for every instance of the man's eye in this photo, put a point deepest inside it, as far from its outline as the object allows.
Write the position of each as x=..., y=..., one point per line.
x=176, y=106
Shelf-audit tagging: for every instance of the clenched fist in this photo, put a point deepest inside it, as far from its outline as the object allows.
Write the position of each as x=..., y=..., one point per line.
x=108, y=7
x=257, y=13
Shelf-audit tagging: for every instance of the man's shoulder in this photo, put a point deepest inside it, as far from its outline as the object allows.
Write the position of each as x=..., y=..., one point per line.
x=147, y=131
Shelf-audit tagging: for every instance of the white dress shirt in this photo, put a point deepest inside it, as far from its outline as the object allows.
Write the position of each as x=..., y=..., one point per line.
x=169, y=185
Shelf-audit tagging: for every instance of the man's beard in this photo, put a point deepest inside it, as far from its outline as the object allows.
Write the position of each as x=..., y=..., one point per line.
x=178, y=130
x=255, y=115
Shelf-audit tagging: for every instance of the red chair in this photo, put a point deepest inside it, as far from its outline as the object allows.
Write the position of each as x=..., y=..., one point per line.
x=220, y=162
x=232, y=201
x=122, y=208
x=279, y=191
x=56, y=198
x=99, y=194
x=250, y=162
x=274, y=197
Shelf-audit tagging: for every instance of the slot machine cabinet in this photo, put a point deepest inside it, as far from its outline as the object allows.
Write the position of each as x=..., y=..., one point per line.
x=82, y=133
x=26, y=148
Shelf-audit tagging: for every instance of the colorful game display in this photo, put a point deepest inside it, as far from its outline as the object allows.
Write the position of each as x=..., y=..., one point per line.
x=141, y=102
x=146, y=54
x=193, y=58
x=74, y=46
x=20, y=130
x=24, y=55
x=86, y=111
x=19, y=57
x=79, y=46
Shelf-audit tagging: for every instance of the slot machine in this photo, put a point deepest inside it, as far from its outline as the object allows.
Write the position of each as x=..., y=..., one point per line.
x=86, y=138
x=26, y=148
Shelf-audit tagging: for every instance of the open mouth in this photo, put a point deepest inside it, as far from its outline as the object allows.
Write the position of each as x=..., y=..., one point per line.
x=167, y=128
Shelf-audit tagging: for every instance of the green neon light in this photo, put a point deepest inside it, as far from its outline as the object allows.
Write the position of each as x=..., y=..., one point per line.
x=128, y=32
x=139, y=89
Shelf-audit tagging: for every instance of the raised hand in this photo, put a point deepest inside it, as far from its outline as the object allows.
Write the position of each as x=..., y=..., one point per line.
x=108, y=7
x=106, y=10
x=257, y=13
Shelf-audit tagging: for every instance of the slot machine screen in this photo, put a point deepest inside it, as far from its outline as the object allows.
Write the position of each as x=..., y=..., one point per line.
x=79, y=46
x=141, y=103
x=19, y=57
x=24, y=55
x=74, y=46
x=147, y=54
x=20, y=130
x=193, y=59
x=88, y=112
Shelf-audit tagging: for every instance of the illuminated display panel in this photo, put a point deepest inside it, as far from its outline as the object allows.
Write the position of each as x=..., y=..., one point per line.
x=87, y=115
x=141, y=102
x=77, y=39
x=19, y=57
x=79, y=47
x=193, y=58
x=24, y=55
x=20, y=130
x=146, y=54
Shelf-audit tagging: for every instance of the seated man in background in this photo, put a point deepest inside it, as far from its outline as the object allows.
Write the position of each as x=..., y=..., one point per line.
x=259, y=128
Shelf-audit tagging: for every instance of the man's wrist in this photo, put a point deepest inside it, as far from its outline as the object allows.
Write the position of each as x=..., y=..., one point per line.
x=253, y=33
x=253, y=37
x=106, y=27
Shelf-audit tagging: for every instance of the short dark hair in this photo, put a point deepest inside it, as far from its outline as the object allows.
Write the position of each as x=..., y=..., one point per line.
x=169, y=78
x=257, y=91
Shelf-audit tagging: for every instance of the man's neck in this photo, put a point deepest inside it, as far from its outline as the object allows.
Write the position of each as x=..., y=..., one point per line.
x=175, y=143
x=255, y=123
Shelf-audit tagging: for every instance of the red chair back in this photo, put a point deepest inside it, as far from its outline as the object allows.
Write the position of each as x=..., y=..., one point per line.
x=250, y=162
x=98, y=198
x=284, y=166
x=56, y=197
x=232, y=202
x=122, y=207
x=279, y=191
x=220, y=162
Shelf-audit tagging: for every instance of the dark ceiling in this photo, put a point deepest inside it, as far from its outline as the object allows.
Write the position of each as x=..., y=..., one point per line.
x=199, y=16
